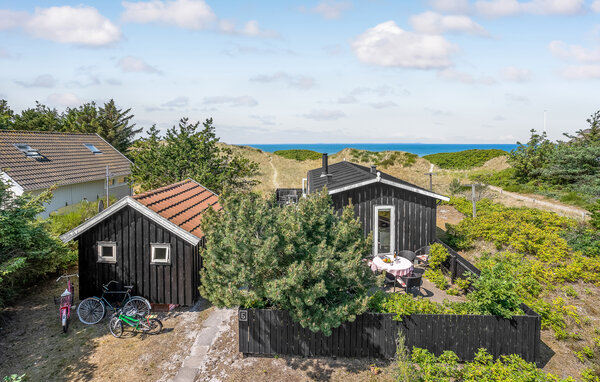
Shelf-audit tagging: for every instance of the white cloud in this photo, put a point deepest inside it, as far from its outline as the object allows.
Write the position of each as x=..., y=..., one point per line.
x=388, y=45
x=292, y=81
x=134, y=64
x=596, y=6
x=181, y=101
x=511, y=73
x=189, y=14
x=42, y=81
x=64, y=99
x=80, y=25
x=574, y=52
x=331, y=9
x=450, y=6
x=383, y=105
x=250, y=29
x=12, y=19
x=515, y=98
x=454, y=75
x=434, y=23
x=499, y=8
x=345, y=100
x=324, y=115
x=582, y=72
x=231, y=101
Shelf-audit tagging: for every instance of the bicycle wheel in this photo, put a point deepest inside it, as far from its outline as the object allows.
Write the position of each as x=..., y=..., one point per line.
x=91, y=310
x=153, y=326
x=116, y=326
x=65, y=321
x=137, y=303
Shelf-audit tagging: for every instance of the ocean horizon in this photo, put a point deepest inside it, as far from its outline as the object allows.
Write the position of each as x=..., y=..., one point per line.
x=420, y=149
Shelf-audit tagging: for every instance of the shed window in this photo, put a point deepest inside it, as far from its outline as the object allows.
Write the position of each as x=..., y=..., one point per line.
x=161, y=253
x=93, y=148
x=107, y=252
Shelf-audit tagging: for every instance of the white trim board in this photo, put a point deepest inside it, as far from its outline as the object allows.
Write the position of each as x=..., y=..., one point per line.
x=14, y=186
x=131, y=202
x=376, y=210
x=393, y=184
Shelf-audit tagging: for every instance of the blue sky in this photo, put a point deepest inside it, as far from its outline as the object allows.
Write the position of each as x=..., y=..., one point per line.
x=432, y=71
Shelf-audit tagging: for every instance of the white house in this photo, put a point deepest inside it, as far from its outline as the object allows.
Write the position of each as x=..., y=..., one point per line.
x=33, y=161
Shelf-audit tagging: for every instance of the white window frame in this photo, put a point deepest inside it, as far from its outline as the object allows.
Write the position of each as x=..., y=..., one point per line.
x=392, y=228
x=105, y=259
x=167, y=246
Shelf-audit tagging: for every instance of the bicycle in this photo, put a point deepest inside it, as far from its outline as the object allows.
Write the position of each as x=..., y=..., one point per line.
x=92, y=309
x=66, y=302
x=139, y=322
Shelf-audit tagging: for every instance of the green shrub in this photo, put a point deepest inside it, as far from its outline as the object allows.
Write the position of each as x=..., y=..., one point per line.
x=464, y=159
x=495, y=292
x=437, y=278
x=299, y=154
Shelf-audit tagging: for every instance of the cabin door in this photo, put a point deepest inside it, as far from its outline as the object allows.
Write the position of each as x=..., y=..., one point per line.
x=384, y=229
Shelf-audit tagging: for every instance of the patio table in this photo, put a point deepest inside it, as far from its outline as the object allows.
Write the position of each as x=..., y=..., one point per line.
x=399, y=267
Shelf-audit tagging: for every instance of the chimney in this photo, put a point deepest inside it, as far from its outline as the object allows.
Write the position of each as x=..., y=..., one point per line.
x=373, y=169
x=325, y=168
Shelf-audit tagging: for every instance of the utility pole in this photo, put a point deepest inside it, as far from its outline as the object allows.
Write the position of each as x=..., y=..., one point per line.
x=431, y=174
x=473, y=198
x=107, y=195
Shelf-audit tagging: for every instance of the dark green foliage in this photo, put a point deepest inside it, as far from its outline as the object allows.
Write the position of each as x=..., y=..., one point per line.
x=529, y=159
x=299, y=154
x=583, y=239
x=189, y=151
x=495, y=293
x=464, y=159
x=301, y=258
x=27, y=250
x=109, y=122
x=455, y=187
x=595, y=215
x=425, y=366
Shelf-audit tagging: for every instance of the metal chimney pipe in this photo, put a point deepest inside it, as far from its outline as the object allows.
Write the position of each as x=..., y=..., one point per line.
x=373, y=170
x=325, y=167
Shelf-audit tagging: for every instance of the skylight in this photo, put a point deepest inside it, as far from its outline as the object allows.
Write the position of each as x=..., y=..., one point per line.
x=93, y=148
x=28, y=151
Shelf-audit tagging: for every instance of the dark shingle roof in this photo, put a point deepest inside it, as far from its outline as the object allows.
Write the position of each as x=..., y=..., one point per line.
x=181, y=203
x=65, y=160
x=344, y=174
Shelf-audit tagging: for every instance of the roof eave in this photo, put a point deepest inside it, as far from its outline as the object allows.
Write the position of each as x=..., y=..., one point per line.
x=390, y=183
x=129, y=201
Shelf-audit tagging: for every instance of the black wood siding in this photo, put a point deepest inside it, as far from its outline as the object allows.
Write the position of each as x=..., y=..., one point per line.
x=415, y=213
x=176, y=283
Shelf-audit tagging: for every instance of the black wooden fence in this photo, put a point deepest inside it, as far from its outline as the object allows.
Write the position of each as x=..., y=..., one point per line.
x=272, y=332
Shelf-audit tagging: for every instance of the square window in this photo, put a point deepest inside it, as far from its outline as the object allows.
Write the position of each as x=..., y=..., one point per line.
x=161, y=253
x=107, y=252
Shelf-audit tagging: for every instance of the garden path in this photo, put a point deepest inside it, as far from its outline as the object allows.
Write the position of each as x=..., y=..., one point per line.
x=275, y=182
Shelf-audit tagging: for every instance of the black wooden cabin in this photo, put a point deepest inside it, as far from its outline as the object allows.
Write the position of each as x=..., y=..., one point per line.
x=400, y=215
x=151, y=241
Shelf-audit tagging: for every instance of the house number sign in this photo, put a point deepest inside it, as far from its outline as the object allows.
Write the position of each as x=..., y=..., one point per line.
x=243, y=315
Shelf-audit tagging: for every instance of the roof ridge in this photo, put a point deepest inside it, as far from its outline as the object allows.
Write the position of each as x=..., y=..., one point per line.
x=35, y=132
x=160, y=189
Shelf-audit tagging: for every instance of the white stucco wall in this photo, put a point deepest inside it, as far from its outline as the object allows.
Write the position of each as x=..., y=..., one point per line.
x=74, y=193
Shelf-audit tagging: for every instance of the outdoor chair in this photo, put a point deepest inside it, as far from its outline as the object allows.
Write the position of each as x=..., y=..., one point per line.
x=410, y=255
x=409, y=282
x=422, y=255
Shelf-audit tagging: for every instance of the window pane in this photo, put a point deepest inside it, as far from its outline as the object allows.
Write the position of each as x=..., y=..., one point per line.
x=383, y=227
x=160, y=254
x=107, y=251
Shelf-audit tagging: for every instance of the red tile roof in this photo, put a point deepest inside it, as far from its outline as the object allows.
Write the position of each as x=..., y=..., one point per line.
x=181, y=203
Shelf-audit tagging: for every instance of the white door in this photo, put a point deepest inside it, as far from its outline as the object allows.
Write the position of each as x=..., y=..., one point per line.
x=384, y=230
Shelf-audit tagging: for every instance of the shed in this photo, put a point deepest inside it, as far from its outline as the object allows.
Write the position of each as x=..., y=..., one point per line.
x=151, y=241
x=400, y=215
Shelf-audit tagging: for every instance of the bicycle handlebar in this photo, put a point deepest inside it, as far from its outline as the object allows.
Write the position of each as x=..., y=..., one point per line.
x=67, y=276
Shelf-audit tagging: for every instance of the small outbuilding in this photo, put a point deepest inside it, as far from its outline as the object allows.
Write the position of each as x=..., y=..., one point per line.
x=400, y=215
x=151, y=241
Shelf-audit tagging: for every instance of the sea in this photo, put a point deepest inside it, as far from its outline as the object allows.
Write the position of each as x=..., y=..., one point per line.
x=420, y=149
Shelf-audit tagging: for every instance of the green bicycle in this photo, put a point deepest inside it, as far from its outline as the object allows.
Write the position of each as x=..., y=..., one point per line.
x=146, y=324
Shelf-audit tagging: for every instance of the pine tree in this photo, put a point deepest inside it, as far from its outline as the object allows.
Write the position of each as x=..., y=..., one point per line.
x=302, y=258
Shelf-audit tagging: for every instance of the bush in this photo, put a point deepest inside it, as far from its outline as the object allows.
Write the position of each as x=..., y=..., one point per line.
x=299, y=154
x=463, y=160
x=495, y=292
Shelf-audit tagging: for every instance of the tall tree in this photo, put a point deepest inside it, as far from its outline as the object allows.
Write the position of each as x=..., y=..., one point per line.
x=529, y=159
x=6, y=115
x=116, y=126
x=39, y=118
x=302, y=258
x=189, y=151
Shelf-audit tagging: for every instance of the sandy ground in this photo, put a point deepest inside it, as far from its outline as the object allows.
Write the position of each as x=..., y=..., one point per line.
x=32, y=342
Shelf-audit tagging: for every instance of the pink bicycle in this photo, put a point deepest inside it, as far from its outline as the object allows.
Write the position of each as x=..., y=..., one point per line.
x=66, y=302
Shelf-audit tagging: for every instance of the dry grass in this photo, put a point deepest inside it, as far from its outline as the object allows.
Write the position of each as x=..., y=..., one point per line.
x=32, y=342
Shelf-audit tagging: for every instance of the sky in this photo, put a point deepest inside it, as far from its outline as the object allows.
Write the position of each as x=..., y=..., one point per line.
x=348, y=71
